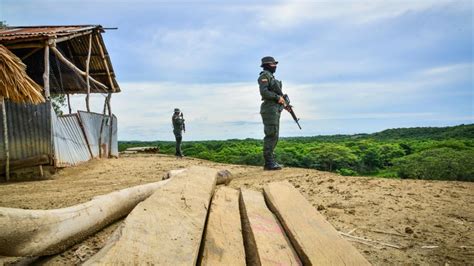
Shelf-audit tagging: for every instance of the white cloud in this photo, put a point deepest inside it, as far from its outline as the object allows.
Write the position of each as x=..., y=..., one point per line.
x=231, y=110
x=291, y=13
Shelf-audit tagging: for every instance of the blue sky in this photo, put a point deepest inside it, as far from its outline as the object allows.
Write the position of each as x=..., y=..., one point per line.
x=348, y=66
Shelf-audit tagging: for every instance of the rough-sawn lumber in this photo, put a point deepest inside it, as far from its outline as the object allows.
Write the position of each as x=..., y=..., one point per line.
x=314, y=238
x=165, y=229
x=223, y=243
x=264, y=238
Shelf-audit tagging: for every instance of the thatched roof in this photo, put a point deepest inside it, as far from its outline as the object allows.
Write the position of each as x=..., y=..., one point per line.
x=15, y=84
x=73, y=42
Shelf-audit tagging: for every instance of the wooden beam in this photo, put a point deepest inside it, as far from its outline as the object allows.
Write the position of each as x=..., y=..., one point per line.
x=223, y=243
x=264, y=238
x=46, y=73
x=5, y=140
x=69, y=37
x=314, y=238
x=12, y=46
x=165, y=229
x=46, y=232
x=74, y=68
x=88, y=60
x=31, y=53
x=102, y=54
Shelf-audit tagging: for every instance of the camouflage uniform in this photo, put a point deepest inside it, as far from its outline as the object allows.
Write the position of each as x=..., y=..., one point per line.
x=178, y=126
x=270, y=110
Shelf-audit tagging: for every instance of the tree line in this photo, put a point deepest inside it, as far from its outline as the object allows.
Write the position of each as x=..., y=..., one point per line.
x=420, y=153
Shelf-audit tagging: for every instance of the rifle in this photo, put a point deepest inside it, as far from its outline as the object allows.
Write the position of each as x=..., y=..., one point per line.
x=289, y=108
x=184, y=125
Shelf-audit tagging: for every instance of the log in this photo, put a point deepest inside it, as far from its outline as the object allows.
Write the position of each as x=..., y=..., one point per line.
x=223, y=243
x=167, y=228
x=46, y=232
x=27, y=162
x=223, y=176
x=314, y=238
x=264, y=238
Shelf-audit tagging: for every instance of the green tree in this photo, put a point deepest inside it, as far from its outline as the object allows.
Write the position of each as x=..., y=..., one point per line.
x=331, y=157
x=441, y=163
x=58, y=101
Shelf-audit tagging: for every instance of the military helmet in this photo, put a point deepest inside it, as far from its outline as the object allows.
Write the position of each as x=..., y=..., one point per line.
x=268, y=60
x=176, y=110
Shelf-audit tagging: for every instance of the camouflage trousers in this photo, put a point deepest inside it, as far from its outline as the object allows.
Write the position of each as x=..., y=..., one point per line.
x=179, y=139
x=271, y=128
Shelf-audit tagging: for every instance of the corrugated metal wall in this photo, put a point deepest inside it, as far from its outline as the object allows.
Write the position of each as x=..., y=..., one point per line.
x=92, y=123
x=70, y=146
x=29, y=130
x=29, y=134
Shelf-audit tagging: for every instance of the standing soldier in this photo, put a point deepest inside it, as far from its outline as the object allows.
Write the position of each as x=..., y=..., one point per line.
x=178, y=127
x=272, y=105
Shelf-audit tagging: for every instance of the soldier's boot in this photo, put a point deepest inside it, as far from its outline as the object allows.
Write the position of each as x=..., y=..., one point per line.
x=271, y=165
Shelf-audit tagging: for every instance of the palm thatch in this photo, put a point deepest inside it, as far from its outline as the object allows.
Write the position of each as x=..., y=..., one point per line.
x=15, y=84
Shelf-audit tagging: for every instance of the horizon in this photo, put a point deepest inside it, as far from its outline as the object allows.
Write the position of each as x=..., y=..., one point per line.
x=284, y=137
x=348, y=66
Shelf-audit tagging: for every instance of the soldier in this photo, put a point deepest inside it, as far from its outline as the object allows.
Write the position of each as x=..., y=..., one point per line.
x=178, y=127
x=272, y=105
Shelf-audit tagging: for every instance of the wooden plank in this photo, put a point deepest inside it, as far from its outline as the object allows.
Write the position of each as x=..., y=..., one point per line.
x=314, y=238
x=264, y=238
x=223, y=242
x=165, y=229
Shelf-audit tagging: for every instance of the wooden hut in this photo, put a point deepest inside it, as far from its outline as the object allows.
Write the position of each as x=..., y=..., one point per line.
x=59, y=60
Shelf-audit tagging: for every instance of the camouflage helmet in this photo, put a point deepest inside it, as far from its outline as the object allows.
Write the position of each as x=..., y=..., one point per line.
x=268, y=60
x=176, y=110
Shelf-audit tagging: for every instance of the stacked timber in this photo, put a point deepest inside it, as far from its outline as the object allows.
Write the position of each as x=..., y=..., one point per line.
x=187, y=221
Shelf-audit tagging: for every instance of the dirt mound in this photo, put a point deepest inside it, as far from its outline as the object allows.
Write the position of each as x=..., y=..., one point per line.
x=409, y=221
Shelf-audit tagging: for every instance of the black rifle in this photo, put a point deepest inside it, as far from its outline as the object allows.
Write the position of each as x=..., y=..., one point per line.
x=289, y=108
x=184, y=125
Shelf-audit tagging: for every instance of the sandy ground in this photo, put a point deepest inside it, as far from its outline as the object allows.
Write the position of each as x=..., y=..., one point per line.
x=428, y=222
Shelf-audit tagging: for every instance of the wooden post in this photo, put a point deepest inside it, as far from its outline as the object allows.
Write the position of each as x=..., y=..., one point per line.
x=5, y=140
x=111, y=124
x=87, y=73
x=69, y=103
x=46, y=72
x=102, y=54
x=102, y=124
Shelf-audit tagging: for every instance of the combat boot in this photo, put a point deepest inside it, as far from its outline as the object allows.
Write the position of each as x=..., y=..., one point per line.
x=271, y=166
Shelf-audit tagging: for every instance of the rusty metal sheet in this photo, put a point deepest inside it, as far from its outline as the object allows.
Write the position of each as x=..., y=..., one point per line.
x=14, y=33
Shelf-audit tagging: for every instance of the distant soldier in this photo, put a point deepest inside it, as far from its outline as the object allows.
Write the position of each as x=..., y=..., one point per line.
x=272, y=105
x=178, y=128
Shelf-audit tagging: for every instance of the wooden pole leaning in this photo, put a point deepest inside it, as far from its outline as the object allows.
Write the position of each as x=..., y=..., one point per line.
x=102, y=55
x=75, y=68
x=111, y=124
x=87, y=73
